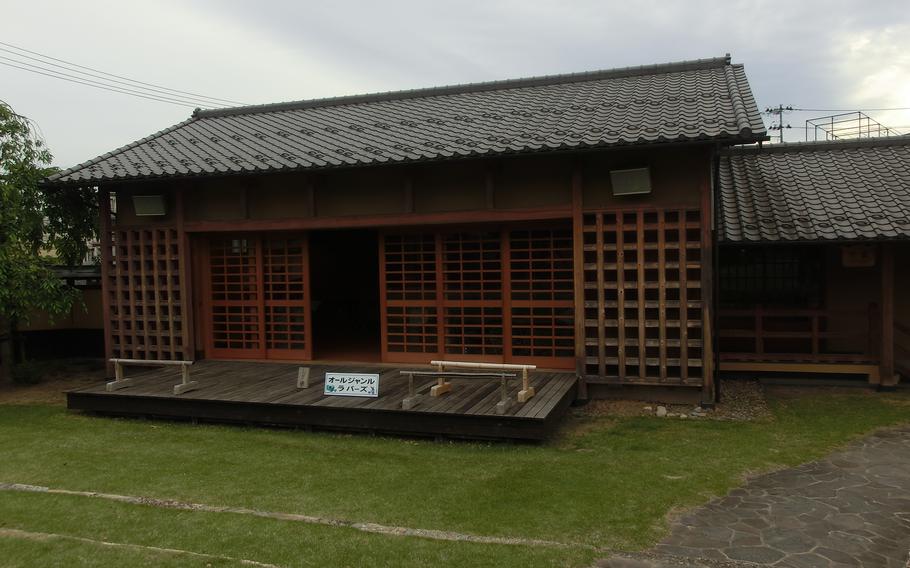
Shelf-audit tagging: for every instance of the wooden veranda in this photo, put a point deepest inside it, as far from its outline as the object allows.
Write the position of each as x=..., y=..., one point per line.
x=268, y=393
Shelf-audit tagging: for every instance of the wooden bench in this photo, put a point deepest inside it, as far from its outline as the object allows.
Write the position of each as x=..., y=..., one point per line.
x=411, y=400
x=120, y=381
x=524, y=395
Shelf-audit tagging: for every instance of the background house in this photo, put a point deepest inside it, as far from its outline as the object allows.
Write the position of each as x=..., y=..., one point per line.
x=814, y=257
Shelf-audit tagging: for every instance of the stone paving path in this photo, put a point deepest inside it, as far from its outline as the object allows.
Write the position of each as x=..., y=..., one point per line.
x=851, y=509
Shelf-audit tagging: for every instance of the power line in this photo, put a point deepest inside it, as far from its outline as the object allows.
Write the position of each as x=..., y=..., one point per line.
x=91, y=83
x=196, y=95
x=112, y=89
x=850, y=109
x=104, y=80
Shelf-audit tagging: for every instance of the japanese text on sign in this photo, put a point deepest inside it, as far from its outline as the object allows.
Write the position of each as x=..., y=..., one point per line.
x=352, y=384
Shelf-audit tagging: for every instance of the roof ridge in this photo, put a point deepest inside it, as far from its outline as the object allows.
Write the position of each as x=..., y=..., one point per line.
x=535, y=81
x=119, y=150
x=818, y=145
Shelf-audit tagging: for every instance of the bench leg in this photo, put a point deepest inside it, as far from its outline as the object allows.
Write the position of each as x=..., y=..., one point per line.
x=441, y=388
x=186, y=385
x=504, y=401
x=303, y=378
x=410, y=401
x=118, y=384
x=527, y=392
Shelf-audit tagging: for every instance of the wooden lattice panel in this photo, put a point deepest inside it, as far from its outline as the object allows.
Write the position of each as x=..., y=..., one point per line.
x=409, y=276
x=259, y=297
x=236, y=310
x=143, y=289
x=286, y=297
x=643, y=301
x=541, y=302
x=472, y=294
x=445, y=295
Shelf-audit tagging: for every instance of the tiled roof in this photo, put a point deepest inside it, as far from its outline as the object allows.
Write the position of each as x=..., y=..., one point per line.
x=706, y=99
x=816, y=191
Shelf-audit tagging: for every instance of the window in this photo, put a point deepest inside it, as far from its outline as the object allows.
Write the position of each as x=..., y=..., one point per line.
x=776, y=275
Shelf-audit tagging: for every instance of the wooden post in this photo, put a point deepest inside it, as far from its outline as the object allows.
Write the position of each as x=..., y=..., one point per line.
x=504, y=403
x=303, y=378
x=107, y=253
x=707, y=290
x=527, y=392
x=578, y=277
x=186, y=384
x=187, y=330
x=411, y=400
x=442, y=386
x=888, y=378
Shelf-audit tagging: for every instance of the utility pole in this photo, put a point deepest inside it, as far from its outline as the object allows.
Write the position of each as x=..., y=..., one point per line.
x=779, y=112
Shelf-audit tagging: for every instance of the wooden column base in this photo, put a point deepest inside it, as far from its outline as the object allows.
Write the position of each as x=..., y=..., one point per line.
x=526, y=394
x=186, y=387
x=119, y=384
x=409, y=402
x=440, y=389
x=502, y=406
x=303, y=378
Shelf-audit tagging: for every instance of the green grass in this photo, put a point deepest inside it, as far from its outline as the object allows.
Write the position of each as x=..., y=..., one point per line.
x=604, y=482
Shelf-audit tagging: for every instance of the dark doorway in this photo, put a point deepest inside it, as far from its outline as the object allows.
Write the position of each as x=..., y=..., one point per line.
x=344, y=280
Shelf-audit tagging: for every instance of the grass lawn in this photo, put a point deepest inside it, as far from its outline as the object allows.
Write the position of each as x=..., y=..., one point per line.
x=605, y=481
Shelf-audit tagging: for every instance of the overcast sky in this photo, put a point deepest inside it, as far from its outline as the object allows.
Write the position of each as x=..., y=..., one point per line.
x=808, y=54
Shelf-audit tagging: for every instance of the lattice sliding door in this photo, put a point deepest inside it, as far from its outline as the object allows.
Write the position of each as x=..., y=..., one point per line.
x=408, y=265
x=235, y=297
x=259, y=297
x=643, y=297
x=286, y=287
x=472, y=295
x=146, y=307
x=541, y=299
x=485, y=295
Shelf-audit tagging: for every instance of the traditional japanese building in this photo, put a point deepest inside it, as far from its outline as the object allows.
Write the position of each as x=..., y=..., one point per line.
x=563, y=221
x=814, y=258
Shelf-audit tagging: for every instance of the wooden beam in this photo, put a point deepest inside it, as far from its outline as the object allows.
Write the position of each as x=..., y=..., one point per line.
x=104, y=209
x=662, y=292
x=640, y=293
x=394, y=220
x=707, y=289
x=621, y=296
x=578, y=279
x=489, y=188
x=872, y=371
x=683, y=298
x=888, y=378
x=311, y=196
x=408, y=194
x=601, y=308
x=186, y=280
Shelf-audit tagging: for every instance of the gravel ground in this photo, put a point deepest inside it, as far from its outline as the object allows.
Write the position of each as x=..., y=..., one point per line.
x=741, y=399
x=57, y=377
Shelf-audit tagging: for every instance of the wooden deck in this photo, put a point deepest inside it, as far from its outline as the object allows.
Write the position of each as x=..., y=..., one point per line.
x=267, y=393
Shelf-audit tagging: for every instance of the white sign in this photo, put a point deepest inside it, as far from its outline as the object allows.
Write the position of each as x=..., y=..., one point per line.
x=352, y=384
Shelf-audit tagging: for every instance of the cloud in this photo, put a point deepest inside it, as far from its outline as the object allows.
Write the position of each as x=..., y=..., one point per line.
x=874, y=65
x=812, y=52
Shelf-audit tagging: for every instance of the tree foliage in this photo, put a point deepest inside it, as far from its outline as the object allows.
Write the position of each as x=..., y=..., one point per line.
x=39, y=227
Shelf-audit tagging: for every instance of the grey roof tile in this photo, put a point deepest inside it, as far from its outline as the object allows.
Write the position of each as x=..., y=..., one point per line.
x=816, y=191
x=705, y=99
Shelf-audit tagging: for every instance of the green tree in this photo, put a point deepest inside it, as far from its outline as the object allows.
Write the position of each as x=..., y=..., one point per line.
x=39, y=228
